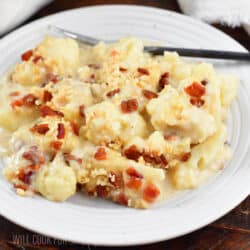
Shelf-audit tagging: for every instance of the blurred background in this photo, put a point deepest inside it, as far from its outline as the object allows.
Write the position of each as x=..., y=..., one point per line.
x=230, y=16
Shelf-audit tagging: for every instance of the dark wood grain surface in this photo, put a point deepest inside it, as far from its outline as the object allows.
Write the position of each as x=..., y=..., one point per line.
x=231, y=232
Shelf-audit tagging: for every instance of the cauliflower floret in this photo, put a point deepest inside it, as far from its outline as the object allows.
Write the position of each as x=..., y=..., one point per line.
x=105, y=123
x=206, y=159
x=68, y=96
x=56, y=181
x=28, y=73
x=173, y=110
x=61, y=55
x=29, y=135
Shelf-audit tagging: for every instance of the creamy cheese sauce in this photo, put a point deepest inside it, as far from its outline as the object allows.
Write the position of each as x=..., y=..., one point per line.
x=112, y=121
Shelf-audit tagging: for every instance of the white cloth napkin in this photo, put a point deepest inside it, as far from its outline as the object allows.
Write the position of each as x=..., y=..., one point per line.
x=231, y=12
x=14, y=12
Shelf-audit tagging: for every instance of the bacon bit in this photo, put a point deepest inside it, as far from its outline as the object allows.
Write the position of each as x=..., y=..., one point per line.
x=27, y=55
x=34, y=155
x=37, y=59
x=40, y=128
x=102, y=191
x=122, y=199
x=75, y=128
x=197, y=102
x=29, y=100
x=53, y=78
x=164, y=80
x=24, y=176
x=134, y=183
x=100, y=154
x=132, y=153
x=195, y=90
x=113, y=92
x=15, y=93
x=149, y=94
x=186, y=156
x=16, y=103
x=133, y=173
x=56, y=145
x=155, y=159
x=170, y=137
x=116, y=179
x=21, y=186
x=47, y=111
x=82, y=111
x=150, y=192
x=143, y=71
x=114, y=53
x=123, y=69
x=70, y=157
x=47, y=96
x=60, y=131
x=129, y=106
x=204, y=82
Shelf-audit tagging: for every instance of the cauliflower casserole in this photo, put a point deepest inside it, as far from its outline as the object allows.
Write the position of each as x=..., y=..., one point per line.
x=111, y=121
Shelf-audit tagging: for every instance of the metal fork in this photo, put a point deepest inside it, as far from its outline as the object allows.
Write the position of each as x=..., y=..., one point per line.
x=159, y=50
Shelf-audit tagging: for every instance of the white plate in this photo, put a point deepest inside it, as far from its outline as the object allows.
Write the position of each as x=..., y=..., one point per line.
x=94, y=221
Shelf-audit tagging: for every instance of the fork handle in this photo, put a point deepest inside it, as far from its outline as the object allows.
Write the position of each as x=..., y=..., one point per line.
x=203, y=53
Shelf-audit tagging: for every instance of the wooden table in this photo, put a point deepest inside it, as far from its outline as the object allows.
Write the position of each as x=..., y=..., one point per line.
x=232, y=232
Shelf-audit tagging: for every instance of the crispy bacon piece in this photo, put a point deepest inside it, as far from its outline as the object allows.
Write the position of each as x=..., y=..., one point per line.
x=122, y=199
x=143, y=71
x=150, y=192
x=24, y=176
x=60, y=131
x=16, y=103
x=81, y=111
x=100, y=154
x=204, y=82
x=149, y=94
x=37, y=59
x=113, y=92
x=195, y=90
x=132, y=153
x=75, y=128
x=186, y=156
x=129, y=106
x=69, y=157
x=27, y=55
x=153, y=158
x=40, y=128
x=131, y=171
x=56, y=145
x=116, y=179
x=34, y=155
x=29, y=100
x=47, y=96
x=197, y=102
x=123, y=69
x=164, y=80
x=14, y=93
x=134, y=183
x=47, y=111
x=21, y=186
x=102, y=191
x=53, y=78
